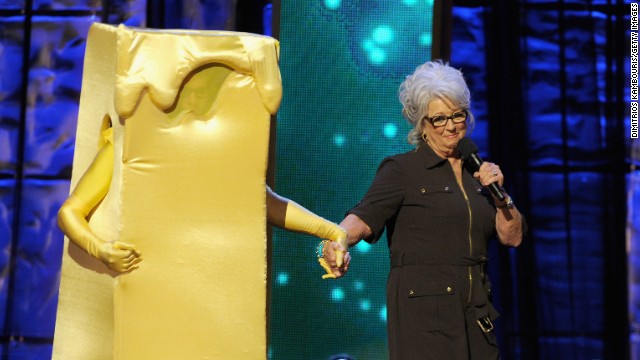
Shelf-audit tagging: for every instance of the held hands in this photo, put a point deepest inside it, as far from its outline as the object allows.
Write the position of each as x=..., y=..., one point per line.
x=334, y=257
x=119, y=256
x=299, y=219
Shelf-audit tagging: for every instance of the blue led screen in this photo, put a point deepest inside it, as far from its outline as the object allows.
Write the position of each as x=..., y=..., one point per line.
x=342, y=64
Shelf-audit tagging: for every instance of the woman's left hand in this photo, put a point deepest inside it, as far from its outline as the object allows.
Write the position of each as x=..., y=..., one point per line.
x=489, y=173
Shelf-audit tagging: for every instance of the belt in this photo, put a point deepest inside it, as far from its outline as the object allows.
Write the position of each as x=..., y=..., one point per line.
x=485, y=323
x=400, y=258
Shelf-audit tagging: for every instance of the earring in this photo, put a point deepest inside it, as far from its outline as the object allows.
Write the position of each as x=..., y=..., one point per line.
x=424, y=137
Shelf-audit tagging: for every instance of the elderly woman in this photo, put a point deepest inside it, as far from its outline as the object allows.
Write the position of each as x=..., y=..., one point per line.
x=439, y=216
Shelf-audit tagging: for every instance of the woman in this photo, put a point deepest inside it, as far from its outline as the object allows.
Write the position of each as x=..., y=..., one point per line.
x=439, y=218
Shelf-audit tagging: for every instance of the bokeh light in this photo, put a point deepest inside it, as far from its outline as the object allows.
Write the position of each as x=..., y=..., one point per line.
x=383, y=314
x=377, y=56
x=332, y=4
x=390, y=130
x=426, y=39
x=365, y=304
x=383, y=35
x=337, y=294
x=363, y=247
x=282, y=278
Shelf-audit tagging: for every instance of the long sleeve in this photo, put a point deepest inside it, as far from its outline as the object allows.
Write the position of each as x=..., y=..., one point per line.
x=91, y=189
x=289, y=215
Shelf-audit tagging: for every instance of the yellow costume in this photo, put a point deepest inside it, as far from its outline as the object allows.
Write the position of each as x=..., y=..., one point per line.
x=180, y=182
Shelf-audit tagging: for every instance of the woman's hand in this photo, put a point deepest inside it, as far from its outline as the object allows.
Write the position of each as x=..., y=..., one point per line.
x=331, y=260
x=489, y=173
x=509, y=225
x=119, y=256
x=335, y=260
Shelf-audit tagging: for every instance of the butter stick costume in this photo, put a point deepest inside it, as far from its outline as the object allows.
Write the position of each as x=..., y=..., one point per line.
x=180, y=177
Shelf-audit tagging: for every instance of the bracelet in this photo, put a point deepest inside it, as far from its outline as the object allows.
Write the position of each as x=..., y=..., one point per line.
x=507, y=204
x=320, y=248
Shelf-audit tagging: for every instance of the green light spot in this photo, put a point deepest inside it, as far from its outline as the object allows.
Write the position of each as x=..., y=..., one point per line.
x=383, y=35
x=337, y=294
x=390, y=131
x=426, y=39
x=358, y=285
x=363, y=246
x=283, y=279
x=377, y=56
x=365, y=305
x=332, y=4
x=368, y=45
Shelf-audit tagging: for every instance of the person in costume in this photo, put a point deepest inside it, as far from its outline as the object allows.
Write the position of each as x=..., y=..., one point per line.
x=121, y=256
x=179, y=180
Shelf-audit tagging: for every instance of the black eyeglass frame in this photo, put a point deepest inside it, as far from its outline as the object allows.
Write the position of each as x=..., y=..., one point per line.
x=447, y=118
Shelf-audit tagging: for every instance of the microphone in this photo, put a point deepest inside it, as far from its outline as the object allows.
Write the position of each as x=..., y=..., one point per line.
x=469, y=151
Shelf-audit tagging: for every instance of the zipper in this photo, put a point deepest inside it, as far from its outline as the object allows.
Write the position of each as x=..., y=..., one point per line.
x=466, y=199
x=469, y=269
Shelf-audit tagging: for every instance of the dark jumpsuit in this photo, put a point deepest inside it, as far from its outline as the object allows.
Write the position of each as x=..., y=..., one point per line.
x=437, y=288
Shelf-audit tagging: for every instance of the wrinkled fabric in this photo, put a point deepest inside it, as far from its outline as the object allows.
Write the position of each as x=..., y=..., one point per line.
x=190, y=113
x=141, y=68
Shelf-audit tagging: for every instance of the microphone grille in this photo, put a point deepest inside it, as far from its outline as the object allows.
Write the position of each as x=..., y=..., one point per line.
x=466, y=147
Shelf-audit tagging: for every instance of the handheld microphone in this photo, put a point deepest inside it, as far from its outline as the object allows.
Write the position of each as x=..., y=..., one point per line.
x=469, y=151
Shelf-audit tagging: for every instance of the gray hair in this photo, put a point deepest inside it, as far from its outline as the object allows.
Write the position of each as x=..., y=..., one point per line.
x=430, y=81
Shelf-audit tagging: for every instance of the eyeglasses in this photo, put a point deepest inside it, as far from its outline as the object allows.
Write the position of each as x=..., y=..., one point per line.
x=441, y=120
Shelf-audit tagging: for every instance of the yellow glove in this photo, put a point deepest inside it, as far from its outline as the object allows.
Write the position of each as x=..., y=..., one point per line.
x=302, y=220
x=72, y=216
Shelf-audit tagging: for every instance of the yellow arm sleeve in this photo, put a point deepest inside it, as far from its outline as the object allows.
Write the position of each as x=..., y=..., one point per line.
x=289, y=215
x=299, y=219
x=302, y=220
x=90, y=190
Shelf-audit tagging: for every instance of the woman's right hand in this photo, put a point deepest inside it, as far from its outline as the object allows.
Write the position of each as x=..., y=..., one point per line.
x=331, y=251
x=119, y=256
x=356, y=229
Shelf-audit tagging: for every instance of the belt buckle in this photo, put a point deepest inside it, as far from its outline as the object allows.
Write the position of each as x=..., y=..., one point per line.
x=485, y=324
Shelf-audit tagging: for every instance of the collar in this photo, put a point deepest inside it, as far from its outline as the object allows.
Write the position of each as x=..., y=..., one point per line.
x=428, y=157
